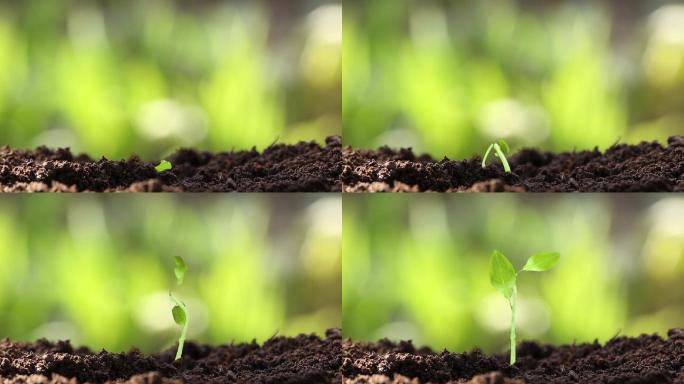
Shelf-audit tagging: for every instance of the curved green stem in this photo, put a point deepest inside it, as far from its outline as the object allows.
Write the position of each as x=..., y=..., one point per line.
x=484, y=159
x=502, y=157
x=181, y=341
x=184, y=332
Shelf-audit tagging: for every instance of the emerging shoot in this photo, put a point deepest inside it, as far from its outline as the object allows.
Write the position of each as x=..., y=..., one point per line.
x=163, y=166
x=503, y=277
x=501, y=149
x=180, y=311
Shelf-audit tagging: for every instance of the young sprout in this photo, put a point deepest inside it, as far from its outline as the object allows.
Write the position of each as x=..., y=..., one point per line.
x=500, y=148
x=163, y=166
x=503, y=277
x=180, y=311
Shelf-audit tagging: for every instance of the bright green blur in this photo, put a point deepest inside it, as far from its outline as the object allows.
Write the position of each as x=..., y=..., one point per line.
x=98, y=269
x=417, y=267
x=450, y=77
x=147, y=77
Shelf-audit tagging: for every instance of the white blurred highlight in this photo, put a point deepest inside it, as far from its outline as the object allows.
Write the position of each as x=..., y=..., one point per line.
x=166, y=118
x=534, y=317
x=664, y=54
x=510, y=118
x=324, y=235
x=667, y=24
x=664, y=247
x=153, y=313
x=325, y=24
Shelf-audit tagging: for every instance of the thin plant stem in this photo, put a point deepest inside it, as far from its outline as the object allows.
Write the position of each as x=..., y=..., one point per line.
x=181, y=341
x=513, y=302
x=484, y=159
x=502, y=157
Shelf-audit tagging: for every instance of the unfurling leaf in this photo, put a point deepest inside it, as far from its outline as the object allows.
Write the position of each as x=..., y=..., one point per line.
x=541, y=261
x=502, y=274
x=164, y=165
x=504, y=146
x=180, y=269
x=179, y=315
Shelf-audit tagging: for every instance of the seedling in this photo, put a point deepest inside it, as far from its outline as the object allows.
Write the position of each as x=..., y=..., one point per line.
x=180, y=311
x=163, y=166
x=501, y=149
x=503, y=277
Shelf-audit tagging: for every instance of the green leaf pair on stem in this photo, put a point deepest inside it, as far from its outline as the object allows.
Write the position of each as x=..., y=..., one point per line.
x=504, y=278
x=180, y=311
x=501, y=149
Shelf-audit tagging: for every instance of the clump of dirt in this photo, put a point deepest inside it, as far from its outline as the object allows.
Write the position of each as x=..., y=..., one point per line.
x=621, y=168
x=647, y=359
x=303, y=167
x=305, y=359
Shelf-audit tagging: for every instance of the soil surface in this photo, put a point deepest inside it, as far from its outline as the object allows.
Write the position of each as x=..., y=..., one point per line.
x=303, y=167
x=622, y=168
x=648, y=359
x=300, y=360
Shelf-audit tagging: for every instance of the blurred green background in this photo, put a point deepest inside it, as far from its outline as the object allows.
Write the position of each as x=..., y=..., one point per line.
x=416, y=267
x=448, y=77
x=97, y=269
x=120, y=77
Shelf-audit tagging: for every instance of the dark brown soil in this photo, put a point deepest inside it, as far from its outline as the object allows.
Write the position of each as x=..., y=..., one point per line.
x=622, y=168
x=303, y=167
x=647, y=359
x=300, y=360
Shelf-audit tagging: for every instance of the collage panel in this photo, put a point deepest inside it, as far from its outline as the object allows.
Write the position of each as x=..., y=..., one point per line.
x=587, y=288
x=513, y=95
x=170, y=95
x=258, y=292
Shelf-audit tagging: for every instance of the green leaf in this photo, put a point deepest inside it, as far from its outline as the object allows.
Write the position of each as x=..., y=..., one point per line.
x=541, y=261
x=502, y=274
x=180, y=269
x=504, y=146
x=179, y=315
x=163, y=166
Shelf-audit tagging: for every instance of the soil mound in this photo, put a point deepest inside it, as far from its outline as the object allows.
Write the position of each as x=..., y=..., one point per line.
x=647, y=167
x=647, y=359
x=305, y=359
x=302, y=167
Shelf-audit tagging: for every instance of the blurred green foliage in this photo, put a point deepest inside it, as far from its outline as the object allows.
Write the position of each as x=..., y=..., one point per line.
x=120, y=77
x=416, y=267
x=97, y=270
x=448, y=77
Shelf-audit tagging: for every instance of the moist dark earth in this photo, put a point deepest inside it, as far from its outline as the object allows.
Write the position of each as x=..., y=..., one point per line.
x=647, y=167
x=303, y=167
x=647, y=359
x=305, y=359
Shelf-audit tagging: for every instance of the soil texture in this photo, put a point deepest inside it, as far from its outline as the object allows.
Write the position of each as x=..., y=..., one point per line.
x=647, y=359
x=281, y=360
x=303, y=167
x=647, y=167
